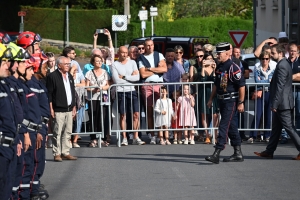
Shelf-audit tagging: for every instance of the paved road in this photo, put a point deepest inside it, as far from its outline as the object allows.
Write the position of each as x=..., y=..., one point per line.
x=172, y=172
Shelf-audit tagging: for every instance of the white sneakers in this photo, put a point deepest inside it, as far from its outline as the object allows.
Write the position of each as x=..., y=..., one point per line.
x=250, y=141
x=138, y=141
x=153, y=140
x=124, y=142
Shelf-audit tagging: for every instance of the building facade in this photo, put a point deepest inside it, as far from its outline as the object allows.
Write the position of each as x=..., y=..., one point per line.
x=274, y=16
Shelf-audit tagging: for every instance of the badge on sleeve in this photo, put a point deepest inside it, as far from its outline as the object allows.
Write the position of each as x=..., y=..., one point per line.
x=237, y=75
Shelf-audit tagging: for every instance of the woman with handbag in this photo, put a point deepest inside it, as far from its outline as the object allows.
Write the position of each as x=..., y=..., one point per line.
x=99, y=78
x=262, y=74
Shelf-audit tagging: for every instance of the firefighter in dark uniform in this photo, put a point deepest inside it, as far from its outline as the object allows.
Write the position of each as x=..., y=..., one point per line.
x=8, y=127
x=17, y=60
x=31, y=124
x=30, y=41
x=230, y=90
x=39, y=88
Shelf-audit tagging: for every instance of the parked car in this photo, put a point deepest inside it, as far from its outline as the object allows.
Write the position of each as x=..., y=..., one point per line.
x=161, y=43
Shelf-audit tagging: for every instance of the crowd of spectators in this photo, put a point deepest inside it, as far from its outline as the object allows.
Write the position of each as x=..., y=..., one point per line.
x=171, y=106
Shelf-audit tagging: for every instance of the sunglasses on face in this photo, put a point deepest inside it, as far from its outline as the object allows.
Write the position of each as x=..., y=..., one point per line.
x=265, y=58
x=200, y=56
x=141, y=48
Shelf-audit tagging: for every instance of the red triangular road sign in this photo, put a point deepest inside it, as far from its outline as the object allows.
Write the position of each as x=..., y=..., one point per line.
x=238, y=37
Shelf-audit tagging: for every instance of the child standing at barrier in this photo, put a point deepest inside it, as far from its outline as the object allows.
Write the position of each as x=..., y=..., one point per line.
x=164, y=113
x=175, y=118
x=187, y=117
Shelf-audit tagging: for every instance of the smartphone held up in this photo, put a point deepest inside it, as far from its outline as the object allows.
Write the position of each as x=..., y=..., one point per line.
x=99, y=31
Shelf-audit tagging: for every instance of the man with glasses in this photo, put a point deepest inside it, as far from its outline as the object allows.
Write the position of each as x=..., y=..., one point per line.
x=282, y=103
x=229, y=87
x=141, y=48
x=61, y=93
x=70, y=53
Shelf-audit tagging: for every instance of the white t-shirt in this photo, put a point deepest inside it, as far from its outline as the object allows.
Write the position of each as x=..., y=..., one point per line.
x=154, y=77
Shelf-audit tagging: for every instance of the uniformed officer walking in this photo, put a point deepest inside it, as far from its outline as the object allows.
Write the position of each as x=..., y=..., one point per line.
x=230, y=89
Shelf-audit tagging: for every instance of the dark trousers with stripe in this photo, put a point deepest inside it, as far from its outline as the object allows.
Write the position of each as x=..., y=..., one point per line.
x=228, y=126
x=39, y=167
x=18, y=171
x=28, y=169
x=6, y=167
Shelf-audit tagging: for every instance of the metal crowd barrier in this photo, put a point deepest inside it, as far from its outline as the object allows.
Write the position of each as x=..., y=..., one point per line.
x=250, y=108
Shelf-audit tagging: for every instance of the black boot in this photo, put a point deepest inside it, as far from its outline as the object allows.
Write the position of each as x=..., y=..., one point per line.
x=215, y=157
x=237, y=155
x=35, y=197
x=43, y=194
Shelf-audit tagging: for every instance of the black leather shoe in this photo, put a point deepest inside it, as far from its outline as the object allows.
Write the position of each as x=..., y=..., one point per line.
x=237, y=155
x=215, y=157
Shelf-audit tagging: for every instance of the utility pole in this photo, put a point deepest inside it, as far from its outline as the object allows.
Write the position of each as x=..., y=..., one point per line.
x=127, y=10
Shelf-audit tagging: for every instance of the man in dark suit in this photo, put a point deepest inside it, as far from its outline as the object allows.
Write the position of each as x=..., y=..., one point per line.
x=282, y=103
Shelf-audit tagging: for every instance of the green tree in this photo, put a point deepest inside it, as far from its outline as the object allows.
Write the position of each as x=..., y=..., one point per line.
x=205, y=8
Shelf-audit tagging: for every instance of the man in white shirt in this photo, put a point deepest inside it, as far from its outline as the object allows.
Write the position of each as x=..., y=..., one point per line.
x=152, y=65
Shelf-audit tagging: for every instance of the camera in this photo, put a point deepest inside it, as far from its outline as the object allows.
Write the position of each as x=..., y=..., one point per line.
x=99, y=31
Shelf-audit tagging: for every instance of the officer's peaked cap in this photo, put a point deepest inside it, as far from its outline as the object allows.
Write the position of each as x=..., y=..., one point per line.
x=222, y=46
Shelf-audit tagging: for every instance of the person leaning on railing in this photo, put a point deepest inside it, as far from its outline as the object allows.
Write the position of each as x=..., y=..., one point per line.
x=97, y=77
x=262, y=74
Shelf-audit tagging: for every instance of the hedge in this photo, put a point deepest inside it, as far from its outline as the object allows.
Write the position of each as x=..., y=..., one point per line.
x=215, y=28
x=50, y=23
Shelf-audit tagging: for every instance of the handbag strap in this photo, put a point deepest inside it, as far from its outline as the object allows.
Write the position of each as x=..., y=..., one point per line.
x=95, y=75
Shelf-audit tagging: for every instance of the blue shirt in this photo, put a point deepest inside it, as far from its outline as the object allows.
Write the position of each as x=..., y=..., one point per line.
x=89, y=67
x=261, y=76
x=173, y=75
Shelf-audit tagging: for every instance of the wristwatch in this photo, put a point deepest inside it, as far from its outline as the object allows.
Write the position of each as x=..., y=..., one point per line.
x=123, y=77
x=240, y=102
